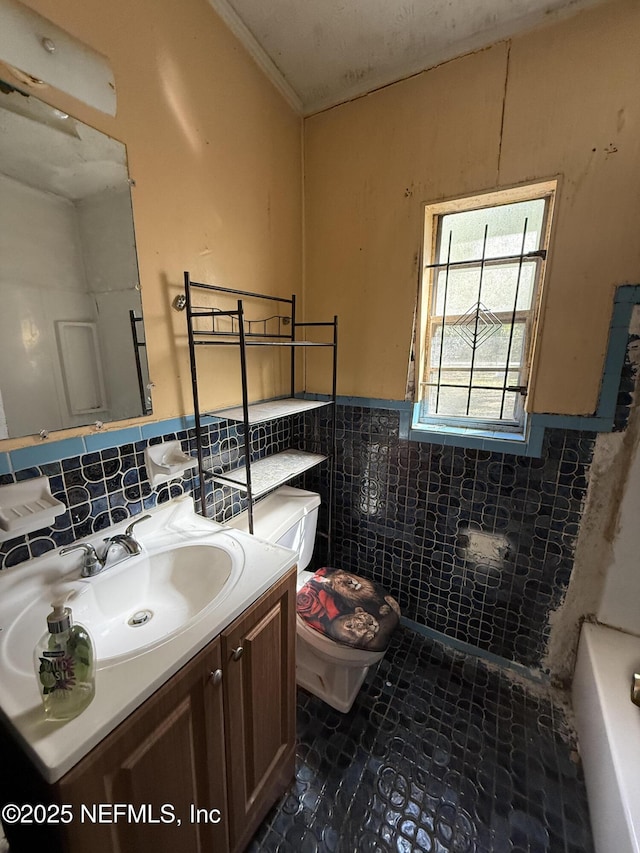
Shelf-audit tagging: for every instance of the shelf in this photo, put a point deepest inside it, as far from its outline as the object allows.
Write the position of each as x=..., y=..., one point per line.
x=279, y=329
x=27, y=506
x=270, y=410
x=167, y=460
x=253, y=343
x=272, y=471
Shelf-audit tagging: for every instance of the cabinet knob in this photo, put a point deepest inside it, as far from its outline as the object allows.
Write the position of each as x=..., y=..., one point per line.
x=215, y=677
x=237, y=653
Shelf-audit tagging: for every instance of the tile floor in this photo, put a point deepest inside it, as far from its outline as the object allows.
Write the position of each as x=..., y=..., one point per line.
x=440, y=754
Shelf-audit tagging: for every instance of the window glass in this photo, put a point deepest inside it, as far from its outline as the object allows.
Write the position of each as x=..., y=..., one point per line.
x=480, y=287
x=505, y=225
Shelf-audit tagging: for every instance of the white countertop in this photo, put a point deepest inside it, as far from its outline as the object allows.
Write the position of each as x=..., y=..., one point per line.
x=123, y=685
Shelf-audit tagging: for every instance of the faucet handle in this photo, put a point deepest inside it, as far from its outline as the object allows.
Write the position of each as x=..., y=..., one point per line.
x=91, y=563
x=129, y=530
x=84, y=546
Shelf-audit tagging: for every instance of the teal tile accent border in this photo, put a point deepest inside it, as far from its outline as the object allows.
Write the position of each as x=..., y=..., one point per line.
x=460, y=646
x=579, y=422
x=481, y=440
x=41, y=454
x=621, y=314
x=103, y=440
x=53, y=451
x=164, y=427
x=627, y=295
x=527, y=444
x=363, y=402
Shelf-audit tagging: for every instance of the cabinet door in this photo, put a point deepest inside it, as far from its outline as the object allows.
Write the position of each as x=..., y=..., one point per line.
x=167, y=757
x=259, y=707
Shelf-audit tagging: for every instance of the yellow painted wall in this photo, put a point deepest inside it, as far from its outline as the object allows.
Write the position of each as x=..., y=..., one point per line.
x=564, y=100
x=216, y=155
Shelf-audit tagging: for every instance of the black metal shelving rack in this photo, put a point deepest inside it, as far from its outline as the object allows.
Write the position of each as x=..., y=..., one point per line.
x=242, y=335
x=137, y=346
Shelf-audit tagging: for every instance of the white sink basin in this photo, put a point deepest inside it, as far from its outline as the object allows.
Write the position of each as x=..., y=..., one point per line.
x=195, y=576
x=145, y=600
x=135, y=605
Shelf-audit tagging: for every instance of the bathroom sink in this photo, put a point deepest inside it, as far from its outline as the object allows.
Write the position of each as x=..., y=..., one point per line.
x=134, y=605
x=193, y=578
x=145, y=600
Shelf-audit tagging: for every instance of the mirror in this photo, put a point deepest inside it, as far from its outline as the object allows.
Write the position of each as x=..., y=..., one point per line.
x=72, y=345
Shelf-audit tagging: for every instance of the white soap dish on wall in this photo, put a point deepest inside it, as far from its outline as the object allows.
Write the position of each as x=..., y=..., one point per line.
x=166, y=461
x=27, y=506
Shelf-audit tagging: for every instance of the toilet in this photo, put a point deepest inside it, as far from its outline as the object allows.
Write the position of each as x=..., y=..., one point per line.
x=330, y=667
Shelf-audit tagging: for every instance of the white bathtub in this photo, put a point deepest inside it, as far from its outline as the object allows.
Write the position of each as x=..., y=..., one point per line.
x=609, y=735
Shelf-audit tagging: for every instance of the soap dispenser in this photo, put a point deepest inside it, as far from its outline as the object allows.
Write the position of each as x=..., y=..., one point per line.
x=65, y=665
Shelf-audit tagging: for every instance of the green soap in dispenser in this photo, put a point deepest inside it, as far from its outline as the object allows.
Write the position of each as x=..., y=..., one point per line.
x=65, y=666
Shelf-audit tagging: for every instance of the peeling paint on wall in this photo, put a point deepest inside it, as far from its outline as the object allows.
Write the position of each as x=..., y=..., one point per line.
x=630, y=371
x=594, y=549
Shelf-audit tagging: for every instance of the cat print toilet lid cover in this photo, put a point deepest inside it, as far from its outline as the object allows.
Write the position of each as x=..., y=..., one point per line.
x=349, y=609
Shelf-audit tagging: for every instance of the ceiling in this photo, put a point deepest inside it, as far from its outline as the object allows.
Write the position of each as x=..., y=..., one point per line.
x=322, y=52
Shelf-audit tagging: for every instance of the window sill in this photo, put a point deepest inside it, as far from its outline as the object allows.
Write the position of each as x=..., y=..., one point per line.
x=527, y=443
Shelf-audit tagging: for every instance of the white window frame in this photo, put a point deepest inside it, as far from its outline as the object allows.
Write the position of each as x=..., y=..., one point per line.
x=433, y=215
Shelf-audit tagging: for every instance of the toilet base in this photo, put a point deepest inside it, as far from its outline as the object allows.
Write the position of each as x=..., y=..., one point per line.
x=334, y=683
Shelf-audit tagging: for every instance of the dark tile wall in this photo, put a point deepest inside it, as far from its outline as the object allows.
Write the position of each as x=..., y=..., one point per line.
x=474, y=544
x=103, y=488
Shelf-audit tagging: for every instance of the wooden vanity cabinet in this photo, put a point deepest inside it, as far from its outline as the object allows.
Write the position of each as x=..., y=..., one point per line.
x=170, y=751
x=258, y=651
x=219, y=736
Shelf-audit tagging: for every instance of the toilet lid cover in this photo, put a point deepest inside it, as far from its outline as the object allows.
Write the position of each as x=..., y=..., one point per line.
x=349, y=609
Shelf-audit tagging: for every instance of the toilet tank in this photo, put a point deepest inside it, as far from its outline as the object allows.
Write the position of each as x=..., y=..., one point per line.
x=287, y=517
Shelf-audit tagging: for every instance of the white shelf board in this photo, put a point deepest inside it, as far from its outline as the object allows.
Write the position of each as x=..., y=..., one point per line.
x=272, y=471
x=270, y=410
x=26, y=506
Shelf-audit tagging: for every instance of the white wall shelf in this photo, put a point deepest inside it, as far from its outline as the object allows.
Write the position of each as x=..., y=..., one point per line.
x=272, y=471
x=27, y=506
x=209, y=325
x=270, y=410
x=166, y=461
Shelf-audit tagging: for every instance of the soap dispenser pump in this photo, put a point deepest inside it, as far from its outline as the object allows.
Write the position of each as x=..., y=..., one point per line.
x=65, y=665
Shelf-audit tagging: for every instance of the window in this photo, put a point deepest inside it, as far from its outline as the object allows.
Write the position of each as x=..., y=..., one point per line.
x=484, y=262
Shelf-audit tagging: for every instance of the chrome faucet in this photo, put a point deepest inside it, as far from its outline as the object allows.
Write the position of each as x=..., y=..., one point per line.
x=93, y=563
